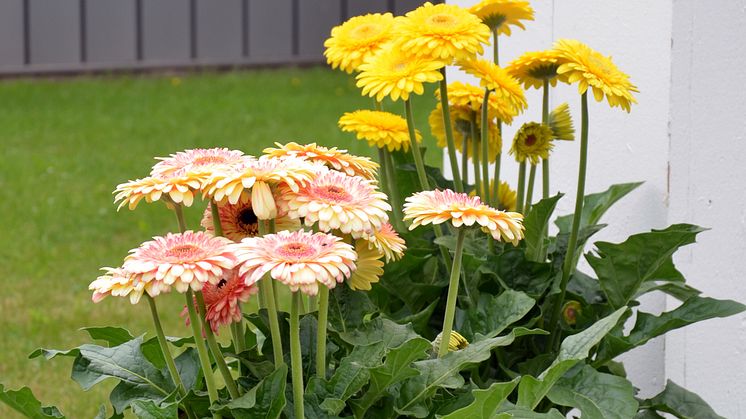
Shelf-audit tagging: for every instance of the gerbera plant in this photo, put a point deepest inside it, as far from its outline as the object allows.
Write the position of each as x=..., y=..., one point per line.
x=311, y=288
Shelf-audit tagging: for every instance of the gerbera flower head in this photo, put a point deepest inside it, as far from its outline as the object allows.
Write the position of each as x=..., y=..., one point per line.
x=332, y=158
x=357, y=39
x=183, y=261
x=560, y=121
x=239, y=221
x=455, y=343
x=172, y=189
x=395, y=73
x=503, y=86
x=336, y=201
x=500, y=15
x=222, y=300
x=461, y=122
x=463, y=95
x=534, y=68
x=118, y=282
x=590, y=69
x=259, y=176
x=198, y=161
x=301, y=260
x=532, y=142
x=436, y=207
x=443, y=31
x=387, y=242
x=369, y=267
x=380, y=129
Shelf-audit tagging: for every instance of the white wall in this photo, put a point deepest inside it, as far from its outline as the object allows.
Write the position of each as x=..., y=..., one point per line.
x=688, y=59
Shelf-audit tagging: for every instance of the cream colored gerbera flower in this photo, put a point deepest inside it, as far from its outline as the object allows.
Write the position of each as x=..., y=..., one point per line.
x=357, y=39
x=239, y=221
x=500, y=15
x=504, y=87
x=369, y=267
x=183, y=261
x=534, y=68
x=532, y=142
x=174, y=189
x=380, y=129
x=396, y=74
x=335, y=201
x=117, y=282
x=332, y=158
x=300, y=260
x=436, y=207
x=443, y=31
x=388, y=242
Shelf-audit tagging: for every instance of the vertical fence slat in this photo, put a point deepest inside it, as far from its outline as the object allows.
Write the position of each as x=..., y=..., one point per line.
x=270, y=30
x=219, y=30
x=111, y=31
x=11, y=33
x=362, y=7
x=166, y=31
x=317, y=17
x=54, y=31
x=404, y=6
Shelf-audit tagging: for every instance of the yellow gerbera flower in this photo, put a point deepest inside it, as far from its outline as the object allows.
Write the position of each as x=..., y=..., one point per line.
x=504, y=87
x=470, y=96
x=436, y=207
x=506, y=197
x=461, y=121
x=533, y=142
x=369, y=266
x=499, y=15
x=333, y=158
x=357, y=39
x=589, y=68
x=444, y=31
x=380, y=129
x=560, y=121
x=533, y=68
x=397, y=74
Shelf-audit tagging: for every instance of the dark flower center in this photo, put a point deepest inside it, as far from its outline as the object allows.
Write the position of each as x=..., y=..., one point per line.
x=222, y=283
x=530, y=140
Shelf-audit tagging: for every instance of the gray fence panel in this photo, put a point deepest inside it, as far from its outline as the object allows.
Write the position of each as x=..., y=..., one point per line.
x=317, y=17
x=270, y=30
x=166, y=31
x=11, y=33
x=54, y=29
x=111, y=31
x=219, y=30
x=363, y=7
x=403, y=6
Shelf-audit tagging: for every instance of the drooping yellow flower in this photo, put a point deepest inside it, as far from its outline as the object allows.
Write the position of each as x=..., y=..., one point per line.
x=396, y=73
x=436, y=207
x=461, y=122
x=590, y=69
x=239, y=221
x=503, y=86
x=444, y=31
x=357, y=39
x=469, y=96
x=533, y=68
x=499, y=15
x=455, y=343
x=388, y=242
x=560, y=121
x=333, y=158
x=369, y=267
x=380, y=129
x=506, y=197
x=532, y=142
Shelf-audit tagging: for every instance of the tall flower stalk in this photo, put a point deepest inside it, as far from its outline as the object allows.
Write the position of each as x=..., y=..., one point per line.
x=475, y=154
x=453, y=285
x=545, y=121
x=296, y=362
x=485, y=148
x=321, y=327
x=448, y=128
x=266, y=288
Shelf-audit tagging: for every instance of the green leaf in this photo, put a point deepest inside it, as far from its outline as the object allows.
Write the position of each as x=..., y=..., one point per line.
x=514, y=271
x=494, y=313
x=114, y=336
x=573, y=349
x=148, y=409
x=518, y=412
x=348, y=308
x=681, y=403
x=485, y=401
x=681, y=292
x=24, y=402
x=537, y=225
x=266, y=400
x=380, y=329
x=647, y=326
x=444, y=372
x=623, y=267
x=595, y=206
x=597, y=395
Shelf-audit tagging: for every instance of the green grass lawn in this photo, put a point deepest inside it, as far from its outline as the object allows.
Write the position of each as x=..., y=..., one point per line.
x=67, y=143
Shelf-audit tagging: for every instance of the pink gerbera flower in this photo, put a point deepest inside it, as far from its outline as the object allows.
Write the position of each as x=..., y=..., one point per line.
x=300, y=260
x=198, y=161
x=181, y=260
x=118, y=282
x=222, y=300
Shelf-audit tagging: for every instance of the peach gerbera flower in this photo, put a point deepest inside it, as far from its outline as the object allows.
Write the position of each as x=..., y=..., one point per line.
x=176, y=189
x=388, y=242
x=299, y=259
x=183, y=261
x=239, y=221
x=332, y=158
x=118, y=282
x=203, y=161
x=257, y=176
x=436, y=207
x=222, y=300
x=336, y=201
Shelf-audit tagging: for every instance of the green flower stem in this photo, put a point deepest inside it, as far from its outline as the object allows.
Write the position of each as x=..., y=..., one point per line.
x=321, y=332
x=296, y=362
x=478, y=187
x=217, y=353
x=452, y=294
x=265, y=287
x=394, y=197
x=383, y=171
x=495, y=55
x=485, y=149
x=530, y=189
x=496, y=179
x=568, y=263
x=521, y=186
x=449, y=132
x=199, y=342
x=465, y=162
x=545, y=162
x=180, y=217
x=313, y=304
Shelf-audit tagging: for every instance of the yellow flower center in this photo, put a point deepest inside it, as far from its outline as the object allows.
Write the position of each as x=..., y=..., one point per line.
x=441, y=20
x=599, y=64
x=367, y=30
